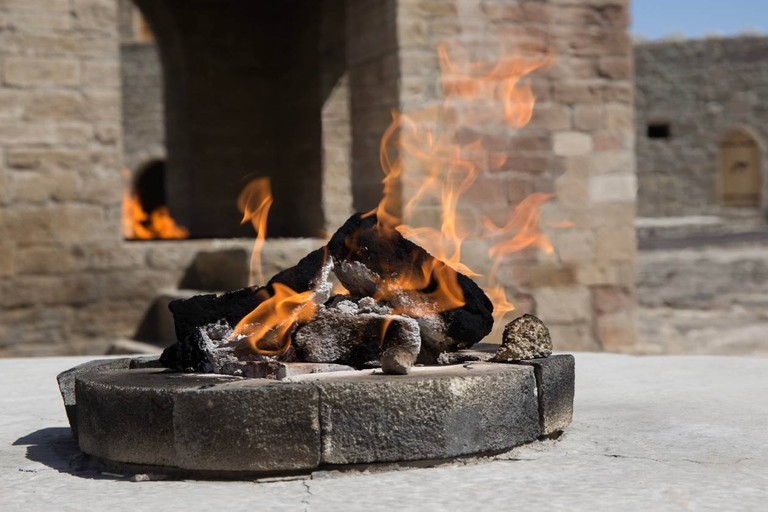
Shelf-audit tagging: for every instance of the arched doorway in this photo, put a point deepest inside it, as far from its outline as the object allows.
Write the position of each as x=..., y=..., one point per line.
x=740, y=180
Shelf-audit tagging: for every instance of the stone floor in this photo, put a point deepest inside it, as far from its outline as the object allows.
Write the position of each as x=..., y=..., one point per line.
x=649, y=433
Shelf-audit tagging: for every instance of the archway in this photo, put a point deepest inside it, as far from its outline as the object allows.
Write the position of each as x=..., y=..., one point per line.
x=740, y=179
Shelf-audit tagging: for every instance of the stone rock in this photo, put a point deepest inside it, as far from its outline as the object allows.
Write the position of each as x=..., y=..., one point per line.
x=555, y=378
x=345, y=333
x=525, y=337
x=397, y=360
x=464, y=356
x=368, y=258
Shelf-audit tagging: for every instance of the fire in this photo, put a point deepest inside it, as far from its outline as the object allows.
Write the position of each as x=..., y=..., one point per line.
x=140, y=225
x=441, y=169
x=442, y=166
x=254, y=203
x=267, y=329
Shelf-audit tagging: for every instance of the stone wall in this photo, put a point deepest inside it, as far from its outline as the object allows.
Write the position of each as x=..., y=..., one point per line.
x=70, y=283
x=701, y=89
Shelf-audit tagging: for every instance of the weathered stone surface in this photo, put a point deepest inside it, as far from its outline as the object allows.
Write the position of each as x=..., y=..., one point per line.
x=350, y=333
x=430, y=413
x=367, y=260
x=525, y=337
x=128, y=415
x=249, y=426
x=464, y=356
x=555, y=378
x=66, y=382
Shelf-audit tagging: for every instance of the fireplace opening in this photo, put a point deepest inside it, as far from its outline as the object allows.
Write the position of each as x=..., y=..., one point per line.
x=149, y=186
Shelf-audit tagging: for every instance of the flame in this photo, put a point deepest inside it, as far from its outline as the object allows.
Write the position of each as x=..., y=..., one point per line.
x=140, y=225
x=254, y=203
x=442, y=169
x=267, y=329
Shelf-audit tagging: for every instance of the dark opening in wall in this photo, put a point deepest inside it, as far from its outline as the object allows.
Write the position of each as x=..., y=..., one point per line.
x=658, y=131
x=150, y=186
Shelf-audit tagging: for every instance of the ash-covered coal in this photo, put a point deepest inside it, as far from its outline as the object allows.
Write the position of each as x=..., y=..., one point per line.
x=205, y=323
x=357, y=332
x=374, y=261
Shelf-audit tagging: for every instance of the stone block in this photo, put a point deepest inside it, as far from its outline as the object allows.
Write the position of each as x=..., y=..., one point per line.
x=248, y=426
x=14, y=132
x=563, y=305
x=620, y=118
x=49, y=259
x=431, y=413
x=617, y=331
x=67, y=378
x=616, y=244
x=572, y=143
x=589, y=117
x=574, y=245
x=550, y=117
x=128, y=415
x=617, y=68
x=578, y=337
x=7, y=258
x=555, y=378
x=611, y=299
x=29, y=71
x=613, y=187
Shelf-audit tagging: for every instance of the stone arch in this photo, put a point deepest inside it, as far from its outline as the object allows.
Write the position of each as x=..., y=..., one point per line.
x=740, y=176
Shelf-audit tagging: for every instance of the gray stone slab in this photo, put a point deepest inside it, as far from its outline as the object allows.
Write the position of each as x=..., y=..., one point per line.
x=66, y=382
x=431, y=413
x=555, y=378
x=127, y=415
x=249, y=426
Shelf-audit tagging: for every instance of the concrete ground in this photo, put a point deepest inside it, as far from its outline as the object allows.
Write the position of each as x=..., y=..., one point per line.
x=649, y=433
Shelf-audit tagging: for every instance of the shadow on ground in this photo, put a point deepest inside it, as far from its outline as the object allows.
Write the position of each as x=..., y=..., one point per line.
x=54, y=447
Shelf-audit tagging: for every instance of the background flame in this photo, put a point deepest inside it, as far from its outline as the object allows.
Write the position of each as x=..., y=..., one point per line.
x=140, y=225
x=442, y=168
x=254, y=202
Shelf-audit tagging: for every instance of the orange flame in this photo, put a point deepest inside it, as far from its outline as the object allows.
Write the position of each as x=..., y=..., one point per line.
x=267, y=329
x=140, y=225
x=254, y=203
x=428, y=140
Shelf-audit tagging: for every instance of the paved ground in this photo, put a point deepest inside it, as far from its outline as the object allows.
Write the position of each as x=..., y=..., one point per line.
x=653, y=433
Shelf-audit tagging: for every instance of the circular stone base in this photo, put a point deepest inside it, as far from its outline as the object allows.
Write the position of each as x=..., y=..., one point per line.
x=222, y=426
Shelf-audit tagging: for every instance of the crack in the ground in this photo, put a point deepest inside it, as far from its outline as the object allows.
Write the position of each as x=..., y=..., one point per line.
x=305, y=499
x=702, y=462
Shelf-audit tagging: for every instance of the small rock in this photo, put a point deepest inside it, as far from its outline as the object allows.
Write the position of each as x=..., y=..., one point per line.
x=525, y=338
x=397, y=360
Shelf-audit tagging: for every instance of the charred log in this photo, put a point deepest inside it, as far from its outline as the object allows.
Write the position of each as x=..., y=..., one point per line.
x=365, y=255
x=204, y=323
